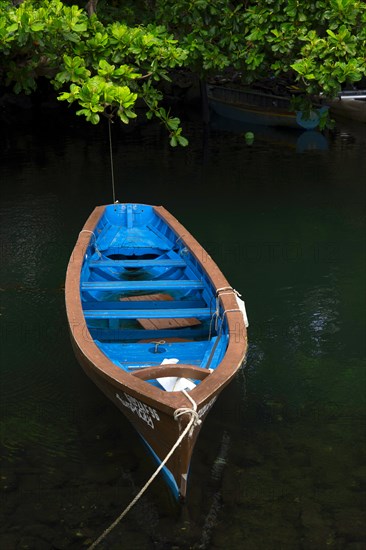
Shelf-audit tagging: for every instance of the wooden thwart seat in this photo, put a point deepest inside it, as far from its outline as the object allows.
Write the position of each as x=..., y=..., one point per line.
x=143, y=304
x=150, y=318
x=122, y=334
x=127, y=286
x=146, y=313
x=137, y=263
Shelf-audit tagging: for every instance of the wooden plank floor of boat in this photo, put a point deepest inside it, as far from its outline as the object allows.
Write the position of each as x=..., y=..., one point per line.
x=158, y=324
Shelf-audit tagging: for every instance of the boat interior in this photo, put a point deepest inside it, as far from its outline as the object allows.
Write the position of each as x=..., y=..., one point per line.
x=148, y=304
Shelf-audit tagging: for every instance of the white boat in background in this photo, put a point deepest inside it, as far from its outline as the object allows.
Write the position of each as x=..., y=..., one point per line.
x=349, y=104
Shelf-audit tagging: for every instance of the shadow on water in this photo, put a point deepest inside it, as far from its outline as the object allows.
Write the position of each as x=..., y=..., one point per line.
x=279, y=463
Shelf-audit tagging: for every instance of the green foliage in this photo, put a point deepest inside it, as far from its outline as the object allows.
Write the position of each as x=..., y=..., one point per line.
x=33, y=39
x=212, y=32
x=105, y=68
x=320, y=45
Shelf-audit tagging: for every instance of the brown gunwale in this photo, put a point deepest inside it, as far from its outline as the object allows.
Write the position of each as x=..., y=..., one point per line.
x=181, y=370
x=101, y=365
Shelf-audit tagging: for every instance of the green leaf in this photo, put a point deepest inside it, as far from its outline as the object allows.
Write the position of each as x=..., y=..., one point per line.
x=36, y=27
x=123, y=117
x=182, y=141
x=173, y=141
x=173, y=123
x=331, y=33
x=93, y=118
x=12, y=28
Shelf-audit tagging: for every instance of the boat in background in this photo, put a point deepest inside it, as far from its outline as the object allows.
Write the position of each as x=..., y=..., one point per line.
x=290, y=138
x=349, y=104
x=263, y=108
x=155, y=324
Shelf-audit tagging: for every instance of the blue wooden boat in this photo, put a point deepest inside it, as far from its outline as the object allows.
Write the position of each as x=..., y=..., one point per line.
x=254, y=107
x=155, y=324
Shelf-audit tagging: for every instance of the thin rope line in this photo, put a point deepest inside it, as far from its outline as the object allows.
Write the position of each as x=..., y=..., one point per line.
x=111, y=159
x=95, y=241
x=195, y=420
x=88, y=231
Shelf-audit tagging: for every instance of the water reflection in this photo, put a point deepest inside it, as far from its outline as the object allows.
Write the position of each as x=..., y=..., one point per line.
x=288, y=232
x=302, y=141
x=317, y=320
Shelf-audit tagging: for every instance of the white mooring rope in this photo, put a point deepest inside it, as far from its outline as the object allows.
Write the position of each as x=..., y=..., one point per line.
x=194, y=421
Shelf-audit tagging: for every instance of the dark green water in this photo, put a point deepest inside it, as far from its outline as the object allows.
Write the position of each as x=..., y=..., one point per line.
x=287, y=228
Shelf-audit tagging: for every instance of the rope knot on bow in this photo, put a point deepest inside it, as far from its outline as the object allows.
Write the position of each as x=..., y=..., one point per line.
x=195, y=419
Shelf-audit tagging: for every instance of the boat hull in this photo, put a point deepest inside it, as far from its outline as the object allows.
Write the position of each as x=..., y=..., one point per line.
x=150, y=409
x=351, y=108
x=158, y=430
x=252, y=115
x=254, y=107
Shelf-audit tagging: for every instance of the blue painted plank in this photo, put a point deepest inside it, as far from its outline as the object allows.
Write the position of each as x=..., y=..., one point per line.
x=147, y=313
x=141, y=285
x=132, y=237
x=159, y=234
x=131, y=350
x=123, y=334
x=137, y=263
x=143, y=304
